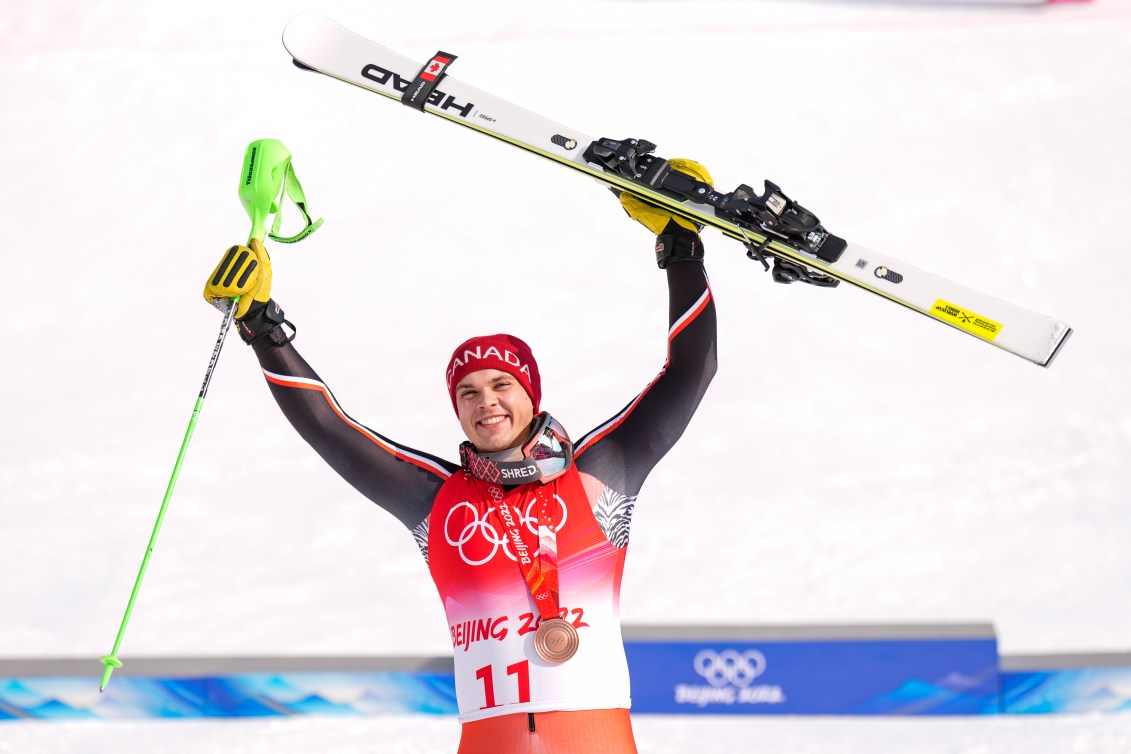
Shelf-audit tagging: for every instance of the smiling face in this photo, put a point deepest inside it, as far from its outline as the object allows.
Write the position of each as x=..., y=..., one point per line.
x=494, y=410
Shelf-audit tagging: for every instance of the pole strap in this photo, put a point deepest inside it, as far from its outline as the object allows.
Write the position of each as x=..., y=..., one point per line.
x=292, y=189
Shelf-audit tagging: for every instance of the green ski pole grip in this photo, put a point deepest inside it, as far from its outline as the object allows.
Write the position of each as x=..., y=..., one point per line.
x=267, y=177
x=262, y=180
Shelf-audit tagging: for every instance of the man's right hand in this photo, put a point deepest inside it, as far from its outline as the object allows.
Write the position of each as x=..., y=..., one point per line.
x=244, y=271
x=657, y=219
x=677, y=238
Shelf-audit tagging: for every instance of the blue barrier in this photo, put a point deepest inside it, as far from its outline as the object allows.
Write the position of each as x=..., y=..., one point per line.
x=239, y=695
x=1066, y=683
x=853, y=670
x=857, y=670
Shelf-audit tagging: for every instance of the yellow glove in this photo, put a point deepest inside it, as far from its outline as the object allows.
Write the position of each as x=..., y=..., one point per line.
x=656, y=218
x=243, y=272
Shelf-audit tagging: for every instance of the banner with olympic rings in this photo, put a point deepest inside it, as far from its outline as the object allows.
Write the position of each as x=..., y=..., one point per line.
x=853, y=670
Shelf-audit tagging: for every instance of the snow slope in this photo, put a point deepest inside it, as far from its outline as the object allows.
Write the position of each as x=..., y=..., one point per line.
x=853, y=462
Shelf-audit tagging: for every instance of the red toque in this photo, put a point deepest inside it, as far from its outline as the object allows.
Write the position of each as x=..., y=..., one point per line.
x=503, y=352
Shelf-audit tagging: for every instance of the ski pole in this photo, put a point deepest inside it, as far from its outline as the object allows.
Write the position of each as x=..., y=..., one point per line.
x=111, y=660
x=266, y=176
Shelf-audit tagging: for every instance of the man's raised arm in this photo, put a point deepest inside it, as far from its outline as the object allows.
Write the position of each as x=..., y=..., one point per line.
x=401, y=480
x=622, y=451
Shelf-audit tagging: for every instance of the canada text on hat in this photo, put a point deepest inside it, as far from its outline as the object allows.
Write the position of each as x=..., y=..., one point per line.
x=503, y=352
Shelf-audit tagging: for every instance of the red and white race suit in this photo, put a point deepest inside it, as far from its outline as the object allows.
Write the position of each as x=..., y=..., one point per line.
x=490, y=611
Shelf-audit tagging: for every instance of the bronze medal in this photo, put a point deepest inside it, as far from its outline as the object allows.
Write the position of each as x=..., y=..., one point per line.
x=556, y=640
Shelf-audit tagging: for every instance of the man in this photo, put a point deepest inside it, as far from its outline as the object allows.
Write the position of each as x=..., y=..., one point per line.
x=526, y=537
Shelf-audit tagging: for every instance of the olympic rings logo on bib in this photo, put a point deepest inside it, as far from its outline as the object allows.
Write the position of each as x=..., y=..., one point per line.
x=729, y=667
x=479, y=540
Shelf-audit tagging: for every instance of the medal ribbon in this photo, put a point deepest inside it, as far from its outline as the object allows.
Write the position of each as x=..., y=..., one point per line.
x=541, y=572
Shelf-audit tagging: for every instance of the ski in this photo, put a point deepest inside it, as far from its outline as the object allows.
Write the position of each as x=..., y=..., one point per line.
x=771, y=225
